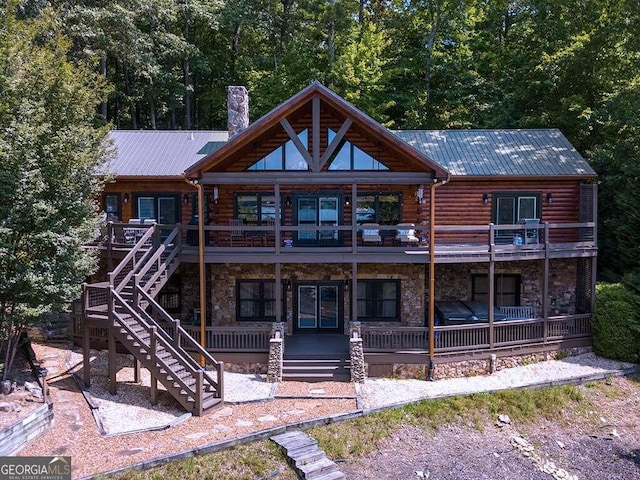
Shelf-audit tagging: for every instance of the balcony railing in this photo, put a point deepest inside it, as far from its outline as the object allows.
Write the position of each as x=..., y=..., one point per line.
x=452, y=242
x=477, y=336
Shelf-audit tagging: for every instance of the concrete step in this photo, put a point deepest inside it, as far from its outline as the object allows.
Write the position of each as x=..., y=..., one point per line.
x=309, y=461
x=318, y=469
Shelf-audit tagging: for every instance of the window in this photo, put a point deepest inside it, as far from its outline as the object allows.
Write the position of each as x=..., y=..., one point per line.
x=506, y=289
x=162, y=207
x=256, y=208
x=169, y=296
x=285, y=157
x=381, y=208
x=379, y=300
x=511, y=208
x=111, y=202
x=350, y=157
x=256, y=300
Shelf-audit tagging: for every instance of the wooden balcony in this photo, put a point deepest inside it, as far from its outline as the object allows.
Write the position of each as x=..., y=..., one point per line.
x=346, y=243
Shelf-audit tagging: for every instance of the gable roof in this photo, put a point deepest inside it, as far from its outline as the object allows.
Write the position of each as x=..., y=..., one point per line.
x=271, y=120
x=160, y=153
x=535, y=152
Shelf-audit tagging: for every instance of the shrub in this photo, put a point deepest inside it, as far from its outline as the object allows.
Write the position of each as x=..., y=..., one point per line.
x=616, y=323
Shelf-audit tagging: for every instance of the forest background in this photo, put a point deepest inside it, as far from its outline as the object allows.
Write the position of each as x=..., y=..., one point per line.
x=410, y=64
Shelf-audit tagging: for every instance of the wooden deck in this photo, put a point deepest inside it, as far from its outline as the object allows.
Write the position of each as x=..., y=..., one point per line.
x=453, y=244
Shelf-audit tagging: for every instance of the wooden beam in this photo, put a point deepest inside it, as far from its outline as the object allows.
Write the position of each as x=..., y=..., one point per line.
x=345, y=177
x=296, y=141
x=315, y=131
x=335, y=142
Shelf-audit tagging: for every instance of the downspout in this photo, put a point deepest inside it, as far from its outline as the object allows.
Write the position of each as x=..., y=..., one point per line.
x=203, y=304
x=432, y=263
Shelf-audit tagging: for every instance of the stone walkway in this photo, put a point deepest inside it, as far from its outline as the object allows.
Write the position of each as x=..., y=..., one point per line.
x=258, y=411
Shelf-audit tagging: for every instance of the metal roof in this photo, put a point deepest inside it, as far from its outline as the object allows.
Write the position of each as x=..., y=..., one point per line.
x=536, y=152
x=149, y=153
x=499, y=152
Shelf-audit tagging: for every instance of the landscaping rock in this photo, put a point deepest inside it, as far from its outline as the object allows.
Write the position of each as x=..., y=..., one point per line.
x=5, y=387
x=10, y=407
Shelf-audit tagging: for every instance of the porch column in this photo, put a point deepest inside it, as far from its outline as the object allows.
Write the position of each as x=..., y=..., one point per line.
x=353, y=295
x=278, y=292
x=354, y=217
x=545, y=286
x=432, y=278
x=279, y=217
x=491, y=280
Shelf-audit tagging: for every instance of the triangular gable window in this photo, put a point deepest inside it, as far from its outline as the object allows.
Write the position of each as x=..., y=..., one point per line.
x=285, y=157
x=350, y=157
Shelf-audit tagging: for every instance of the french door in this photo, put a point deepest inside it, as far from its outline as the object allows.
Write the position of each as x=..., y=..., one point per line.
x=318, y=307
x=162, y=209
x=316, y=210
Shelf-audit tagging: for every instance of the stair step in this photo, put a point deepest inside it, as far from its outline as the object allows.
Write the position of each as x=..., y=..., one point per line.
x=318, y=469
x=304, y=458
x=337, y=475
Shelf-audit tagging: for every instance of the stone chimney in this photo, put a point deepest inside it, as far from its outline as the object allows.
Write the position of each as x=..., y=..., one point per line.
x=237, y=110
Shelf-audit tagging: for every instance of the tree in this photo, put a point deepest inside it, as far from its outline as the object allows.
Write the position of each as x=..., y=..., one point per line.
x=50, y=152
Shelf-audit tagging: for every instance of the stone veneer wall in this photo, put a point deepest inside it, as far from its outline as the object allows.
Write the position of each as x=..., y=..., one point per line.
x=223, y=295
x=470, y=368
x=453, y=282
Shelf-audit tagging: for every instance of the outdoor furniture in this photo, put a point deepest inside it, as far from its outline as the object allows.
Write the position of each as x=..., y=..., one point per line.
x=406, y=234
x=531, y=226
x=237, y=234
x=371, y=233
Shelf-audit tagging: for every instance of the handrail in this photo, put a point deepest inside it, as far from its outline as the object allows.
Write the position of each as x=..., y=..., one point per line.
x=158, y=255
x=159, y=338
x=182, y=334
x=128, y=258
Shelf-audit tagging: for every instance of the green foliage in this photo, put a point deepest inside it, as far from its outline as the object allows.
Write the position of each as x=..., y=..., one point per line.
x=49, y=153
x=616, y=323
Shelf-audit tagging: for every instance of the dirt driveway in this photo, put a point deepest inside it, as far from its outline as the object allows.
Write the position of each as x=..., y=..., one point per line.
x=599, y=440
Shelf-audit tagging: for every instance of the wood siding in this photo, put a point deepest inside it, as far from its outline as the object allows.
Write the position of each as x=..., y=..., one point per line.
x=132, y=187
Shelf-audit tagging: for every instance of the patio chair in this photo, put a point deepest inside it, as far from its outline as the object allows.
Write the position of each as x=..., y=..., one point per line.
x=371, y=233
x=406, y=234
x=236, y=233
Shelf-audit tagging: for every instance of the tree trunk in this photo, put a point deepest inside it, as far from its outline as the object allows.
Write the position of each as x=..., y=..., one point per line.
x=185, y=72
x=235, y=46
x=103, y=71
x=331, y=41
x=152, y=113
x=435, y=24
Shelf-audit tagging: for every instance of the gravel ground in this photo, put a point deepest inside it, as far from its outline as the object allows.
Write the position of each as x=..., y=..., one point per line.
x=75, y=432
x=379, y=392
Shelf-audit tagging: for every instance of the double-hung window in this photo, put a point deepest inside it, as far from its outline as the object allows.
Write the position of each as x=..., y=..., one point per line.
x=379, y=300
x=506, y=289
x=256, y=300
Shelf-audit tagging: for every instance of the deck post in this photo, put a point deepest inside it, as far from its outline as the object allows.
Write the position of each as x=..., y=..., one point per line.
x=278, y=285
x=153, y=354
x=86, y=341
x=113, y=388
x=353, y=293
x=278, y=220
x=545, y=286
x=354, y=218
x=492, y=274
x=136, y=370
x=109, y=246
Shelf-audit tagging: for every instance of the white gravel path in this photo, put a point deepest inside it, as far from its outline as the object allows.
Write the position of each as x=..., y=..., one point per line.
x=384, y=392
x=240, y=387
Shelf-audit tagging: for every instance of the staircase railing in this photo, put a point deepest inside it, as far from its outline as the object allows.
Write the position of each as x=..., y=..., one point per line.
x=124, y=271
x=171, y=245
x=181, y=338
x=159, y=340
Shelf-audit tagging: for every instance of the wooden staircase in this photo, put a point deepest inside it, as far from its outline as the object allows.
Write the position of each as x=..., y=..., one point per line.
x=126, y=306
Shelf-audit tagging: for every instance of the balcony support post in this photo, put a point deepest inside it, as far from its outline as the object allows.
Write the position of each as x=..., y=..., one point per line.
x=278, y=292
x=279, y=217
x=492, y=274
x=545, y=286
x=354, y=218
x=353, y=294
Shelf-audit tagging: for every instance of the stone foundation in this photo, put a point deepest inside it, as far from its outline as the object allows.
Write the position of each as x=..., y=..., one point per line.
x=245, y=368
x=470, y=368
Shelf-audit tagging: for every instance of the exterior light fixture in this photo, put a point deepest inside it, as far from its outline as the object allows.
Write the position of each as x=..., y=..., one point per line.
x=347, y=200
x=185, y=198
x=125, y=198
x=485, y=198
x=287, y=201
x=549, y=198
x=420, y=194
x=216, y=194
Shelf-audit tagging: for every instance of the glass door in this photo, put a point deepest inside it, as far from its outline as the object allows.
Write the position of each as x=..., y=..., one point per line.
x=314, y=211
x=318, y=307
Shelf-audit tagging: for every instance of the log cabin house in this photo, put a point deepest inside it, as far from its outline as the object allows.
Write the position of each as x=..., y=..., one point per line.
x=326, y=238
